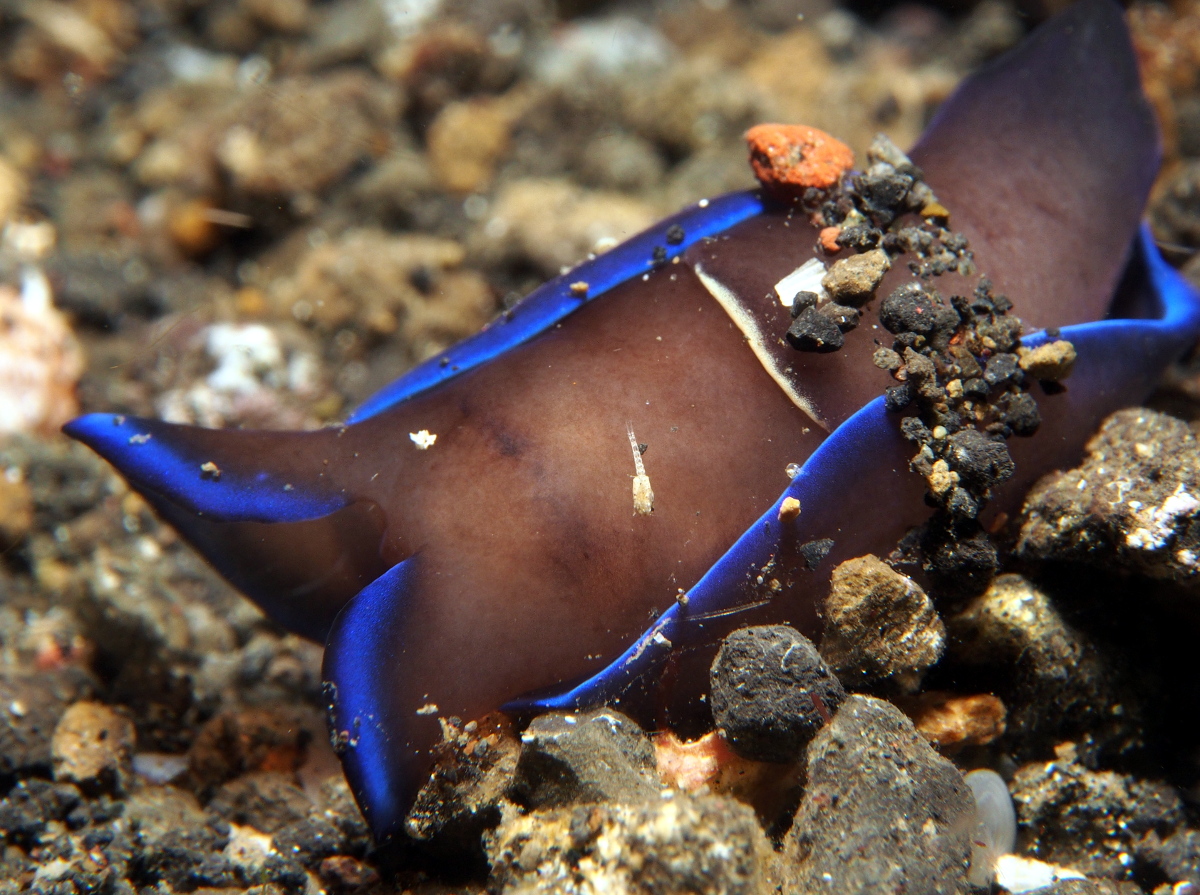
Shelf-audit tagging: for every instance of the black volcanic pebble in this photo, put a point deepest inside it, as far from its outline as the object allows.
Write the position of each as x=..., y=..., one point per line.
x=802, y=302
x=1020, y=412
x=859, y=237
x=814, y=552
x=959, y=560
x=813, y=331
x=898, y=396
x=599, y=756
x=843, y=317
x=33, y=706
x=1002, y=368
x=883, y=194
x=772, y=692
x=31, y=805
x=909, y=309
x=980, y=461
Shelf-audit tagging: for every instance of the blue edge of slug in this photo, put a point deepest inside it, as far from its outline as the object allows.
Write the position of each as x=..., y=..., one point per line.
x=835, y=464
x=369, y=627
x=153, y=458
x=368, y=630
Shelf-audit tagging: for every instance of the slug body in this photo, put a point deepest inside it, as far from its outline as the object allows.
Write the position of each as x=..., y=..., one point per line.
x=467, y=539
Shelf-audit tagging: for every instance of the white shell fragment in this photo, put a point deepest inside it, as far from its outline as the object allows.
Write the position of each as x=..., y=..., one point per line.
x=805, y=278
x=1020, y=875
x=423, y=440
x=643, y=494
x=41, y=361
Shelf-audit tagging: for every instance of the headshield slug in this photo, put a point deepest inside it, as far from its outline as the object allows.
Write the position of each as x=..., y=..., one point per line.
x=468, y=539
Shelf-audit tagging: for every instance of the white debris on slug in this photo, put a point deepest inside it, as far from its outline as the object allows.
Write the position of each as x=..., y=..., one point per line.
x=423, y=440
x=805, y=278
x=643, y=494
x=789, y=509
x=744, y=320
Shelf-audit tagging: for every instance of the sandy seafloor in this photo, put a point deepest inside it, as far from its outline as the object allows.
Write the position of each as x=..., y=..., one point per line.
x=256, y=212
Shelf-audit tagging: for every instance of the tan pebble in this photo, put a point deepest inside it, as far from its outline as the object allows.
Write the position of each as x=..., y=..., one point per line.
x=1052, y=361
x=466, y=141
x=853, y=281
x=12, y=191
x=52, y=576
x=289, y=16
x=250, y=301
x=789, y=509
x=556, y=223
x=951, y=721
x=93, y=747
x=879, y=624
x=935, y=210
x=16, y=510
x=942, y=478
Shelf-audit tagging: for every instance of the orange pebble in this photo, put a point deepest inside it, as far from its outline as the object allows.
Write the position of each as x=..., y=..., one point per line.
x=828, y=239
x=951, y=721
x=789, y=158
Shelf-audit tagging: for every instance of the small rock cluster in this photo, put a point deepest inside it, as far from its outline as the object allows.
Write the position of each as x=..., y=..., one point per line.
x=857, y=212
x=959, y=363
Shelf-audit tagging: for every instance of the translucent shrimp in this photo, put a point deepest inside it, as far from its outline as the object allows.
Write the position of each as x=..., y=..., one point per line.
x=643, y=494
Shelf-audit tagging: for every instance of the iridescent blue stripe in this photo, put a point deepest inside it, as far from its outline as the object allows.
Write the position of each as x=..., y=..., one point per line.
x=553, y=301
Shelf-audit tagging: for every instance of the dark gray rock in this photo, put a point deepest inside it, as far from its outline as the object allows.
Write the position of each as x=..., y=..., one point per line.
x=599, y=756
x=1092, y=887
x=1091, y=821
x=309, y=841
x=813, y=331
x=175, y=842
x=336, y=804
x=100, y=287
x=1177, y=857
x=266, y=801
x=1056, y=681
x=32, y=804
x=771, y=692
x=1176, y=216
x=882, y=812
